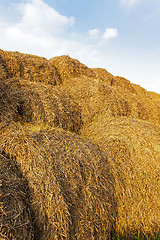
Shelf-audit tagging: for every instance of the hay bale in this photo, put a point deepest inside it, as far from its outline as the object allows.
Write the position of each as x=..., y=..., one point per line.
x=99, y=92
x=72, y=185
x=127, y=99
x=96, y=97
x=133, y=150
x=28, y=67
x=77, y=189
x=37, y=104
x=112, y=80
x=87, y=93
x=105, y=75
x=96, y=90
x=15, y=214
x=117, y=81
x=70, y=68
x=6, y=112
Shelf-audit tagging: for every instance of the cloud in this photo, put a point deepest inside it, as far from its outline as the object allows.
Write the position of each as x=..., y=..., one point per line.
x=93, y=33
x=110, y=33
x=39, y=18
x=129, y=3
x=39, y=29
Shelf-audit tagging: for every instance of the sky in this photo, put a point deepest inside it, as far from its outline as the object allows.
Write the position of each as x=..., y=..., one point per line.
x=122, y=36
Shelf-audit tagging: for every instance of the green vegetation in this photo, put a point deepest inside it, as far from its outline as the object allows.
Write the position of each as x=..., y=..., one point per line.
x=136, y=236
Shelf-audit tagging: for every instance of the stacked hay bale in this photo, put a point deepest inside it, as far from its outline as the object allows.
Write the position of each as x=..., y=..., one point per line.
x=69, y=187
x=70, y=181
x=130, y=99
x=70, y=68
x=96, y=97
x=38, y=104
x=133, y=150
x=112, y=80
x=28, y=67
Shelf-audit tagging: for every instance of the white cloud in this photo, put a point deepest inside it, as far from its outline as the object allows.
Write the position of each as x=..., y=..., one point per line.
x=110, y=33
x=129, y=2
x=34, y=27
x=39, y=18
x=39, y=29
x=93, y=33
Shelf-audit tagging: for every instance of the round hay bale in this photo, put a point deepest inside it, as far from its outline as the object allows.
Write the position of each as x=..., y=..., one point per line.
x=113, y=81
x=118, y=82
x=105, y=75
x=36, y=103
x=89, y=95
x=15, y=214
x=49, y=209
x=29, y=67
x=96, y=98
x=95, y=90
x=72, y=185
x=70, y=68
x=133, y=150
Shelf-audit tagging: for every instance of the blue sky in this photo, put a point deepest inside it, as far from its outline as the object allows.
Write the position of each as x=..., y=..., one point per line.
x=122, y=36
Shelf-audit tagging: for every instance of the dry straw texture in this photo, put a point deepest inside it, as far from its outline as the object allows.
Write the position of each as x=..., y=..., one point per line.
x=37, y=103
x=133, y=150
x=28, y=67
x=56, y=184
x=15, y=214
x=96, y=97
x=70, y=181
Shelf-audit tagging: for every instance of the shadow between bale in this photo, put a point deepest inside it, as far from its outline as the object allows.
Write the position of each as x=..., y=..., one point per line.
x=16, y=216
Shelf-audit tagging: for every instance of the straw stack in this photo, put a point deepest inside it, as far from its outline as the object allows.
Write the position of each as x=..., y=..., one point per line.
x=133, y=150
x=70, y=182
x=29, y=67
x=70, y=68
x=56, y=184
x=96, y=97
x=38, y=104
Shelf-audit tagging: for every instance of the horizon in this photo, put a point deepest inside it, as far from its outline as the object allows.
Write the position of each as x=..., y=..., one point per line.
x=119, y=36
